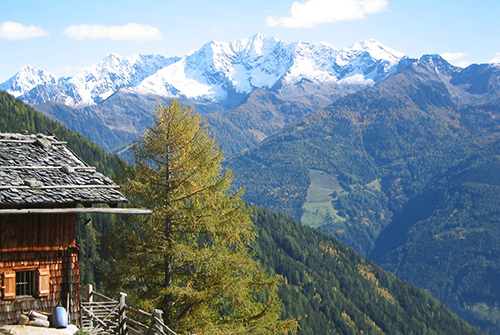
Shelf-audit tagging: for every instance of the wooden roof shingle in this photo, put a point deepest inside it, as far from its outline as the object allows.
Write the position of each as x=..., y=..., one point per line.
x=41, y=170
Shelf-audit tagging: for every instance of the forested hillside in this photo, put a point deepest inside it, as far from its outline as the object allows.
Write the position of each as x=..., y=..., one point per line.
x=352, y=169
x=327, y=286
x=378, y=147
x=447, y=239
x=333, y=290
x=265, y=112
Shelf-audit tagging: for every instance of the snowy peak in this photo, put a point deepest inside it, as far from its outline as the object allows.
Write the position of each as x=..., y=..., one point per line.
x=90, y=87
x=377, y=51
x=212, y=58
x=218, y=69
x=213, y=72
x=111, y=63
x=362, y=64
x=26, y=79
x=437, y=63
x=114, y=72
x=254, y=47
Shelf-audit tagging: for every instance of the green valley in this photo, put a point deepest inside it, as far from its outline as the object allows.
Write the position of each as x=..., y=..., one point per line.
x=326, y=285
x=322, y=195
x=394, y=151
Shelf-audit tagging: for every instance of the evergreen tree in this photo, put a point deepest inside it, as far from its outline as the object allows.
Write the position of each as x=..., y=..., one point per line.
x=191, y=257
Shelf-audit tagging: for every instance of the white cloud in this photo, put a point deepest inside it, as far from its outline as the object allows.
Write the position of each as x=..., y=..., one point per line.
x=462, y=64
x=454, y=57
x=314, y=12
x=496, y=59
x=16, y=31
x=130, y=31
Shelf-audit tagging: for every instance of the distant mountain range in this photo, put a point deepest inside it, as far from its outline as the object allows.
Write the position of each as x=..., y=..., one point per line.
x=212, y=74
x=248, y=89
x=325, y=286
x=219, y=77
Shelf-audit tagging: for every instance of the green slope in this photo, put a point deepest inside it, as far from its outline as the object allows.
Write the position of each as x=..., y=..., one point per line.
x=447, y=239
x=333, y=290
x=330, y=288
x=383, y=147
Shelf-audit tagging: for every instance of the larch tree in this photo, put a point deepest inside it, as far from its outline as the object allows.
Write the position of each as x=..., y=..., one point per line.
x=192, y=257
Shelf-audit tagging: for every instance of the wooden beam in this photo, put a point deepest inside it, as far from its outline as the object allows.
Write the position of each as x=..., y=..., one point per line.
x=79, y=210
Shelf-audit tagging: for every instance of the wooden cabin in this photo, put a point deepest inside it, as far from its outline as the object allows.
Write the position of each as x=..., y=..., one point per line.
x=43, y=186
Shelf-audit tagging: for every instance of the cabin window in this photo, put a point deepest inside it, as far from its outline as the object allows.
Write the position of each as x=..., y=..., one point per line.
x=25, y=283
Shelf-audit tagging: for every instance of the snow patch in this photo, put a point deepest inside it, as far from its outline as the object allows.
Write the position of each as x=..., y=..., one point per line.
x=356, y=79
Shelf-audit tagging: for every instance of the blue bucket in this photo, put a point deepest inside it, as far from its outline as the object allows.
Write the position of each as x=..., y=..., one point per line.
x=59, y=318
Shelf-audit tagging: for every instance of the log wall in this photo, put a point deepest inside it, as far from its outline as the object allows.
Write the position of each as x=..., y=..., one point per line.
x=42, y=241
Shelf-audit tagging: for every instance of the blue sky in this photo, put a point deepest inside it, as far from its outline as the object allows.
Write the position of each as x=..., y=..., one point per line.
x=65, y=36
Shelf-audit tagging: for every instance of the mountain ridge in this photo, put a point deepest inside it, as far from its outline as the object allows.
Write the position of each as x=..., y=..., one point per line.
x=212, y=72
x=217, y=79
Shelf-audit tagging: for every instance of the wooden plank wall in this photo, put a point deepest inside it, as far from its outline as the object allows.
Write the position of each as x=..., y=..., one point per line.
x=41, y=241
x=37, y=232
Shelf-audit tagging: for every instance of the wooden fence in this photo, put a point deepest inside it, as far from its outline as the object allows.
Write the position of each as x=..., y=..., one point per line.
x=102, y=315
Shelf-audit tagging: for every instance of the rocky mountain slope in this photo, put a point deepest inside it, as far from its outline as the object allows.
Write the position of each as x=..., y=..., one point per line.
x=217, y=78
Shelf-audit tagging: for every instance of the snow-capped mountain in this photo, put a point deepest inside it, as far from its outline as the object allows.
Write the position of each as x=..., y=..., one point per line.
x=100, y=81
x=247, y=89
x=27, y=79
x=212, y=73
x=258, y=62
x=90, y=87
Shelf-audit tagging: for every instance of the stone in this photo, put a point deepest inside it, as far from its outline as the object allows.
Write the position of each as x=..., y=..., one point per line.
x=23, y=319
x=33, y=183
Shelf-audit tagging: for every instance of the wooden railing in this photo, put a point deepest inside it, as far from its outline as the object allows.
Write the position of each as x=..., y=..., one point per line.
x=102, y=315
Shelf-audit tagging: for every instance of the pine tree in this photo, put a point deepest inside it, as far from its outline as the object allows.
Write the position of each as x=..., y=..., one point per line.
x=191, y=257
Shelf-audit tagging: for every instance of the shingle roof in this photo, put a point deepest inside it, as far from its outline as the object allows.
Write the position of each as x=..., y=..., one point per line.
x=40, y=169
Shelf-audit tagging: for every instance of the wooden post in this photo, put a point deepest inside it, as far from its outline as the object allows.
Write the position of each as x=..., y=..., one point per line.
x=122, y=327
x=158, y=314
x=89, y=293
x=90, y=299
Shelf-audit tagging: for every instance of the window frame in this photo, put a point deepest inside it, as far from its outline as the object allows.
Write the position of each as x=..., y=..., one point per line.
x=26, y=283
x=39, y=282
